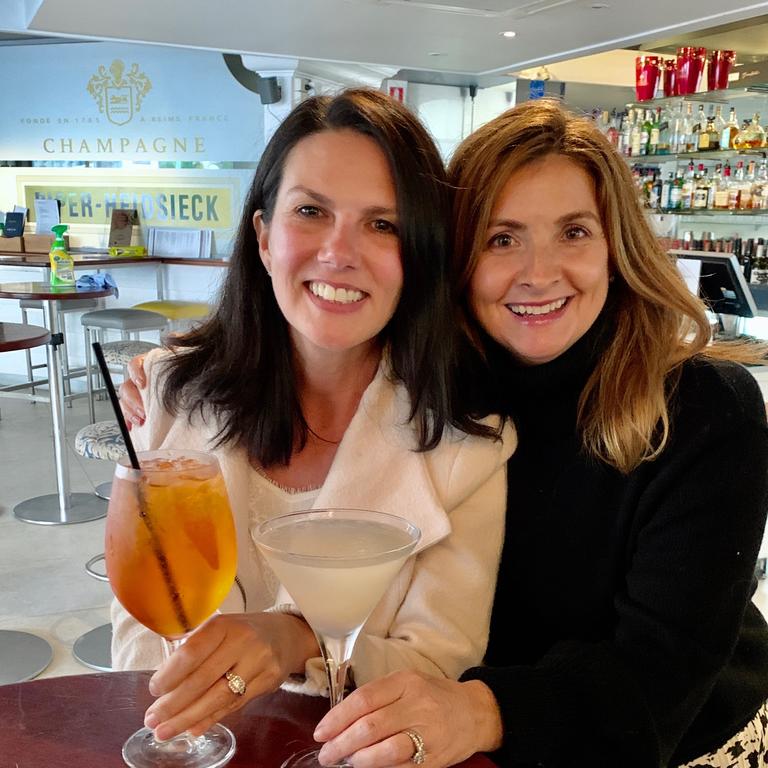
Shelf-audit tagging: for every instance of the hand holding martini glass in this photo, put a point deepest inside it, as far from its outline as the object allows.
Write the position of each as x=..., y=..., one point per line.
x=336, y=564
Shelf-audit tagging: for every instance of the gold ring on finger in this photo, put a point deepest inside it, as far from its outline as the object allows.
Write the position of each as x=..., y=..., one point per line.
x=419, y=753
x=235, y=683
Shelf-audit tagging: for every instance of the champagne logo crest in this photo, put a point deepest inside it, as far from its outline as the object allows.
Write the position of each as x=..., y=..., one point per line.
x=119, y=93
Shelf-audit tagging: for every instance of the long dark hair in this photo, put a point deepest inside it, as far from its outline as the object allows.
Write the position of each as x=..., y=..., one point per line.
x=239, y=364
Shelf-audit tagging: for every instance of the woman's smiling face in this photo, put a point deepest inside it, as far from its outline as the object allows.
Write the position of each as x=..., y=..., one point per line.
x=542, y=278
x=332, y=244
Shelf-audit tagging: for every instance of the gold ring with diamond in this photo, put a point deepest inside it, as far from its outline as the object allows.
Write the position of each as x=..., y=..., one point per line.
x=419, y=754
x=235, y=683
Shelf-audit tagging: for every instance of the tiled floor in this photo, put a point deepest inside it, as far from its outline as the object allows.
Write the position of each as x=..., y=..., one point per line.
x=43, y=585
x=44, y=588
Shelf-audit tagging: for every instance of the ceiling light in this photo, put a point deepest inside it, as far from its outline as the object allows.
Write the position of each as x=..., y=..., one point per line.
x=435, y=53
x=599, y=6
x=508, y=33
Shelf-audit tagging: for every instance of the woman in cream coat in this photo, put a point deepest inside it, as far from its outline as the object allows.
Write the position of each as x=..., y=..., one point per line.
x=323, y=380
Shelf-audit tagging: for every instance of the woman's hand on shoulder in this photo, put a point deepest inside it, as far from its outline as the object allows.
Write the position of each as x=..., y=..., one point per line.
x=453, y=719
x=131, y=402
x=263, y=649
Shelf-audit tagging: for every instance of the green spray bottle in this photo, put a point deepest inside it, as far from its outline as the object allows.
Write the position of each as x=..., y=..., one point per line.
x=62, y=264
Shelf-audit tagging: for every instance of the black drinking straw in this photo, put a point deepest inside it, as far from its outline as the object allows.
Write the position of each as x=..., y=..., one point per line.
x=178, y=608
x=116, y=405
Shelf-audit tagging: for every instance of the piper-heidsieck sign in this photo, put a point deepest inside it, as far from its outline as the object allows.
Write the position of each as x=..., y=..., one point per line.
x=104, y=101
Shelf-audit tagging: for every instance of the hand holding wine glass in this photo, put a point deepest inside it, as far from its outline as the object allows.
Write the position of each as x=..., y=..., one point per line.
x=263, y=649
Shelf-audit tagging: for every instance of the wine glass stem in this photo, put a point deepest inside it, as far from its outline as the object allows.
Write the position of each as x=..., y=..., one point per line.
x=170, y=646
x=185, y=742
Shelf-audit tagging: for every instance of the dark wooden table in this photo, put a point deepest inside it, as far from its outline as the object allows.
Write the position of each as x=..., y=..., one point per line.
x=21, y=336
x=82, y=722
x=62, y=507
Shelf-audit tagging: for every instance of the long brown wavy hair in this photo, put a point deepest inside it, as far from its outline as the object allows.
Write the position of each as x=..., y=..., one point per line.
x=624, y=408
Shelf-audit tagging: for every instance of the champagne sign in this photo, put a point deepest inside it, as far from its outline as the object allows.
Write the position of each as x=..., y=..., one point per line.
x=127, y=102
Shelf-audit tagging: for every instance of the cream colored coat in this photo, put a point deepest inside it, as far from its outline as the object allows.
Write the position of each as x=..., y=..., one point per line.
x=435, y=616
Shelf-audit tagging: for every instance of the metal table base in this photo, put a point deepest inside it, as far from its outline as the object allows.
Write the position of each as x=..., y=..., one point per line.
x=22, y=656
x=46, y=510
x=103, y=490
x=94, y=648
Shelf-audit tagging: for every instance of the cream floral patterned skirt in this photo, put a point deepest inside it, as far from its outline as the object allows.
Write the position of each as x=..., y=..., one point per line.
x=747, y=749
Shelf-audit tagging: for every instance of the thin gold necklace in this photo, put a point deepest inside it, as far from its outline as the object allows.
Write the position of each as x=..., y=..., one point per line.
x=322, y=439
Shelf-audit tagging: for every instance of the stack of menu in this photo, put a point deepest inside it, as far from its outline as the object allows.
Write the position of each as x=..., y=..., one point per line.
x=184, y=243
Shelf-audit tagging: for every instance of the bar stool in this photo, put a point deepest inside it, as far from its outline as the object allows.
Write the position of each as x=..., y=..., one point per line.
x=62, y=308
x=94, y=648
x=129, y=322
x=22, y=656
x=102, y=440
x=179, y=313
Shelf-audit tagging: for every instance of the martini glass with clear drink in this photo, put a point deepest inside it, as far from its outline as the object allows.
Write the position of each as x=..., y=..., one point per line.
x=336, y=564
x=171, y=557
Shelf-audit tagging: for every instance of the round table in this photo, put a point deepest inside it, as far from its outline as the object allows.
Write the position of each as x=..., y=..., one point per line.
x=62, y=507
x=15, y=336
x=83, y=721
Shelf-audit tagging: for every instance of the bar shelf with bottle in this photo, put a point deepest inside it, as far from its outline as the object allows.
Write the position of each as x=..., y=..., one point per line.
x=712, y=212
x=703, y=155
x=676, y=131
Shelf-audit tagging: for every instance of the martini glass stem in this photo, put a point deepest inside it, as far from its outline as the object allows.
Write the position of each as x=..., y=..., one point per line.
x=337, y=654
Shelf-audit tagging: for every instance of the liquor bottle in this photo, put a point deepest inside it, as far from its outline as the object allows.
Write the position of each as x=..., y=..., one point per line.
x=665, y=201
x=750, y=137
x=663, y=118
x=634, y=140
x=760, y=187
x=729, y=131
x=699, y=125
x=745, y=196
x=654, y=194
x=676, y=194
x=691, y=139
x=714, y=183
x=708, y=137
x=653, y=138
x=612, y=134
x=719, y=122
x=676, y=121
x=645, y=132
x=734, y=190
x=721, y=193
x=714, y=129
x=701, y=190
x=625, y=141
x=689, y=185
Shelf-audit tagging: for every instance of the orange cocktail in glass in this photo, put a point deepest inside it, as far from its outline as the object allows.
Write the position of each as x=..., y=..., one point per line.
x=171, y=556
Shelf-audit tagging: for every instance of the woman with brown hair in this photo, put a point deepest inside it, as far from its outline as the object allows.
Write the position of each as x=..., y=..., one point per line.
x=623, y=632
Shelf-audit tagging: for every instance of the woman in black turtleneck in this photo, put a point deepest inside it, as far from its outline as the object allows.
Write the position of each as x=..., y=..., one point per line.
x=623, y=632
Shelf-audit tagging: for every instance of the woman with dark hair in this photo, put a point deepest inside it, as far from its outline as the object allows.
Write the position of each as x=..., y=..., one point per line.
x=322, y=379
x=623, y=632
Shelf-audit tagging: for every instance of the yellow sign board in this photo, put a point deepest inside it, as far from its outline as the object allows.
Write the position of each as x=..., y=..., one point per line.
x=176, y=205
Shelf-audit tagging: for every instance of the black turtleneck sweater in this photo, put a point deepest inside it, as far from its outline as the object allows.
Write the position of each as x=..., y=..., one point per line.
x=623, y=633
